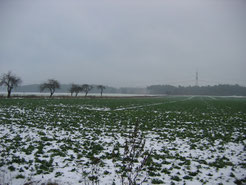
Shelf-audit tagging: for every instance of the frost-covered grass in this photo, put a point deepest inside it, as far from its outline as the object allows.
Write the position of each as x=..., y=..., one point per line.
x=194, y=140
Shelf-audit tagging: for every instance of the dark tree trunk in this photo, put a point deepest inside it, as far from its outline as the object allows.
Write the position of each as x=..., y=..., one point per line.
x=51, y=93
x=9, y=93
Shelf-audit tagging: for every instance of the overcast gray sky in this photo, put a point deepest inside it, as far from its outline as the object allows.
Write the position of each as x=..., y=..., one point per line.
x=124, y=42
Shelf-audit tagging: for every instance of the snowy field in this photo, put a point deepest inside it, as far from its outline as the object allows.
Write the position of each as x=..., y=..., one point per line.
x=184, y=140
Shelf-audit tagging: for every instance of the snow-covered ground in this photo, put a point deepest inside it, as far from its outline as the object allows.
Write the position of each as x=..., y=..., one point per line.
x=192, y=142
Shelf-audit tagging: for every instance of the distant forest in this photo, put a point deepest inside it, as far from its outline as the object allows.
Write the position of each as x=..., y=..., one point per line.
x=217, y=90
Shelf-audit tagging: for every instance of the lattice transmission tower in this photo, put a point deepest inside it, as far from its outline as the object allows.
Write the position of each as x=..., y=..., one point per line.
x=196, y=79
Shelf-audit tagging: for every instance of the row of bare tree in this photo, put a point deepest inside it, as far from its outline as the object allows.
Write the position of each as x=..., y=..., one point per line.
x=84, y=88
x=11, y=81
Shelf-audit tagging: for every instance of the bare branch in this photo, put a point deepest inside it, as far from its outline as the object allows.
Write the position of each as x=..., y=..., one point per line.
x=101, y=87
x=86, y=88
x=75, y=89
x=10, y=81
x=51, y=84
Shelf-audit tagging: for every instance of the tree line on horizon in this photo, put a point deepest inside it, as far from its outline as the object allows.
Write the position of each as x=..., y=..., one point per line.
x=11, y=81
x=216, y=90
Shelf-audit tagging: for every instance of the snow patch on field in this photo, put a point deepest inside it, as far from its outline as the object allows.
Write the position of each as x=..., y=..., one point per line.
x=55, y=143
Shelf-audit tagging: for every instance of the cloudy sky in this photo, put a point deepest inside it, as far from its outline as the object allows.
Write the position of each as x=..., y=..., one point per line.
x=124, y=42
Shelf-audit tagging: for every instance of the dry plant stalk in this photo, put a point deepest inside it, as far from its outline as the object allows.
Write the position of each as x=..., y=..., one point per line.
x=132, y=169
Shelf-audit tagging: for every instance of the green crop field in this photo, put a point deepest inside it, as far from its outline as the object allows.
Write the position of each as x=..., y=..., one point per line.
x=167, y=140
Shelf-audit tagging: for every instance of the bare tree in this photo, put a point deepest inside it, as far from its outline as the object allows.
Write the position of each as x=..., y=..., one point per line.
x=101, y=87
x=75, y=89
x=86, y=88
x=52, y=85
x=10, y=81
